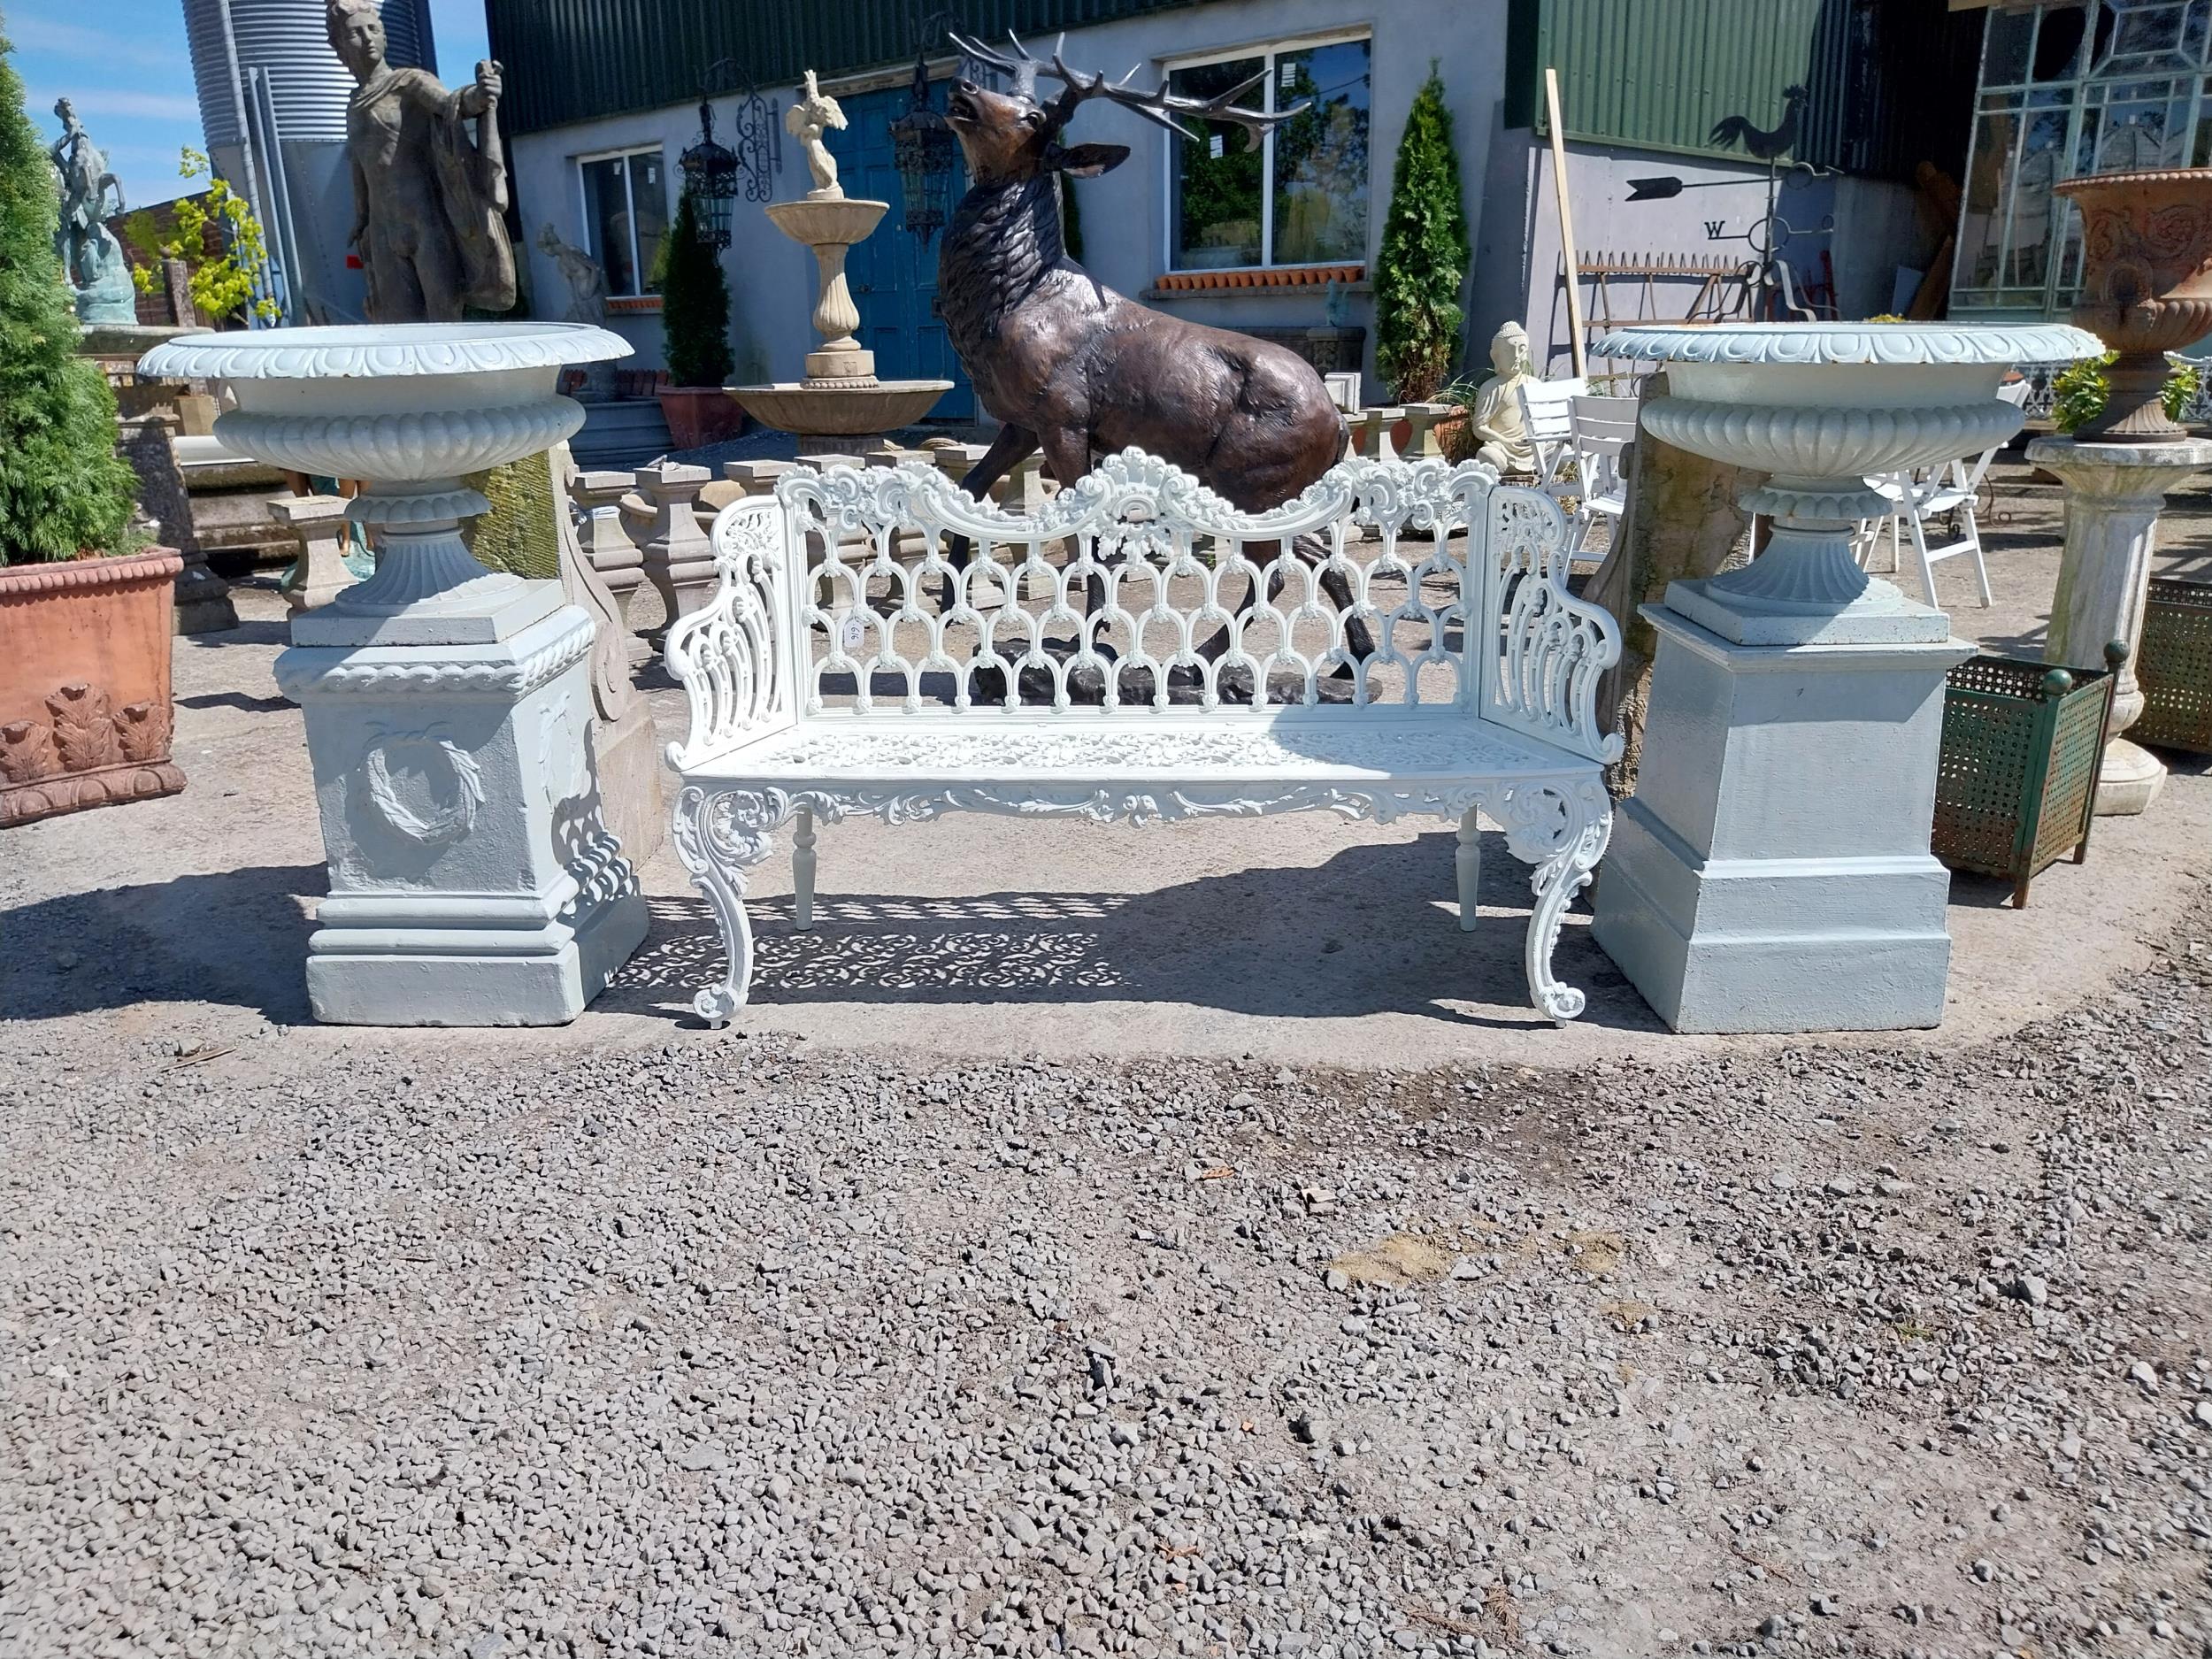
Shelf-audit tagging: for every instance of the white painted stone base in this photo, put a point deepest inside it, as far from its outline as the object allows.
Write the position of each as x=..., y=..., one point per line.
x=1772, y=872
x=472, y=879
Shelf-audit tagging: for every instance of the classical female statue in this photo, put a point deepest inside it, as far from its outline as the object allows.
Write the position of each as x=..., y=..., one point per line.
x=426, y=201
x=1501, y=435
x=587, y=282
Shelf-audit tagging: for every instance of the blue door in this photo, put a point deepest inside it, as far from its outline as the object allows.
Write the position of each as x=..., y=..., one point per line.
x=893, y=274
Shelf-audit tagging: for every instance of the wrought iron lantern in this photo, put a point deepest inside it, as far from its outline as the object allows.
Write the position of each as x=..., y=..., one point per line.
x=710, y=173
x=925, y=152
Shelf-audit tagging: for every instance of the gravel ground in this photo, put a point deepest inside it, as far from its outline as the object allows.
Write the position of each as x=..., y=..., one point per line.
x=730, y=1347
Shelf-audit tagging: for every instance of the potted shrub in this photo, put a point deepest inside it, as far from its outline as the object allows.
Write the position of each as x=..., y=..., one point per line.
x=1423, y=261
x=695, y=327
x=85, y=617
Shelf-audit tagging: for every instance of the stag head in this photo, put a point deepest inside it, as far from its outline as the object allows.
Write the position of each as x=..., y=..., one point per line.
x=1015, y=134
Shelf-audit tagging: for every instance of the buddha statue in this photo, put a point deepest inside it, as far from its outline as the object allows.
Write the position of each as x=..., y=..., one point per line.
x=1500, y=433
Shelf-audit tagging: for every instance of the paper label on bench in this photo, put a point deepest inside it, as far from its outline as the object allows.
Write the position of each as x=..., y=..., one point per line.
x=852, y=632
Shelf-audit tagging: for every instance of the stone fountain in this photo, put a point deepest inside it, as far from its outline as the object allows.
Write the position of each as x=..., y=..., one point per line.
x=841, y=399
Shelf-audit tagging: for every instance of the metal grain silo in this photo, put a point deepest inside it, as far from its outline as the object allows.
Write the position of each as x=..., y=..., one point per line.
x=273, y=102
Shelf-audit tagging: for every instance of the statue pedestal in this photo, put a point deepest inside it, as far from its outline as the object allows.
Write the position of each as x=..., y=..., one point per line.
x=448, y=708
x=2114, y=492
x=1771, y=872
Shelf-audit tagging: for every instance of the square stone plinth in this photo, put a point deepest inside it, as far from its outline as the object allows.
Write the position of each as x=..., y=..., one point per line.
x=1771, y=872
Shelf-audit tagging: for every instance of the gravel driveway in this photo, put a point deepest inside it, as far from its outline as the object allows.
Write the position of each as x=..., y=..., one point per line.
x=728, y=1346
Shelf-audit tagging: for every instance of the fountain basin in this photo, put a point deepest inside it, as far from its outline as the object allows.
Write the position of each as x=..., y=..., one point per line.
x=834, y=222
x=852, y=410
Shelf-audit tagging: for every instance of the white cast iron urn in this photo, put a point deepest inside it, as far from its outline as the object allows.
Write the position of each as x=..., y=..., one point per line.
x=1818, y=407
x=408, y=409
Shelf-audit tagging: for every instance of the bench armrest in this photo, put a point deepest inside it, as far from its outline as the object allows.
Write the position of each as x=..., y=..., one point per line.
x=734, y=655
x=1547, y=650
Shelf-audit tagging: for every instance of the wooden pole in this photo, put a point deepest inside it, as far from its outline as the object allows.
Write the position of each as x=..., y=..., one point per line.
x=1566, y=223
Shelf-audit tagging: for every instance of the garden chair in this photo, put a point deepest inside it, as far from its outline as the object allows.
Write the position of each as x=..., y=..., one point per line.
x=1600, y=431
x=1949, y=490
x=1547, y=416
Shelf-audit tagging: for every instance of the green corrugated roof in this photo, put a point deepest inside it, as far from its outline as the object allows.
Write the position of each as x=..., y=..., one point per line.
x=575, y=60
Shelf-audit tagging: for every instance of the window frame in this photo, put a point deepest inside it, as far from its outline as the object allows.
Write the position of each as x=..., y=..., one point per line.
x=1269, y=50
x=657, y=149
x=2089, y=88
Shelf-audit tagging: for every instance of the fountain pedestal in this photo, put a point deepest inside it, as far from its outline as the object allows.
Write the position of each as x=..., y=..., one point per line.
x=473, y=880
x=1771, y=872
x=2114, y=493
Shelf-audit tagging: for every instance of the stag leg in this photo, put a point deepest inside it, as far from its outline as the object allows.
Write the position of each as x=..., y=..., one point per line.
x=1011, y=447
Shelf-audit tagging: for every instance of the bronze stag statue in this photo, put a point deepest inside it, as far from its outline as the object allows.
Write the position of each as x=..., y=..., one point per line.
x=1072, y=367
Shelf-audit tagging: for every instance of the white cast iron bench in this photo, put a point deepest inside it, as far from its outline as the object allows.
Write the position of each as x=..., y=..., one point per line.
x=826, y=682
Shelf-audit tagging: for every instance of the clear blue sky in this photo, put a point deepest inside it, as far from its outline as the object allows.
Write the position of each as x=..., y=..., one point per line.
x=123, y=63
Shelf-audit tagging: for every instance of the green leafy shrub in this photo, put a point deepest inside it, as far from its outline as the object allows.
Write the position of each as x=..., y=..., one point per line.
x=222, y=288
x=695, y=304
x=2079, y=393
x=63, y=492
x=1422, y=263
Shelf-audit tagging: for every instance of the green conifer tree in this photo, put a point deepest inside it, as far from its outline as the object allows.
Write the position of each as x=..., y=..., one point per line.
x=695, y=304
x=63, y=492
x=1424, y=254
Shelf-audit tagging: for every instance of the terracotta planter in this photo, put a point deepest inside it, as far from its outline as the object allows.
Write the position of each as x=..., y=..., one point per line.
x=2146, y=287
x=84, y=684
x=700, y=415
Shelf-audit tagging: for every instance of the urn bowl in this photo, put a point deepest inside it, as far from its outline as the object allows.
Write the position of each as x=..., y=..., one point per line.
x=2146, y=287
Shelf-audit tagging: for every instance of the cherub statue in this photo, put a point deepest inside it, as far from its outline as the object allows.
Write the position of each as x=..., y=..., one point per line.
x=587, y=282
x=428, y=203
x=807, y=120
x=1501, y=435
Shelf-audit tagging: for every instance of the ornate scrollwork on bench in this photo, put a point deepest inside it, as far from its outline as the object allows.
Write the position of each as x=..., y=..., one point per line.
x=1397, y=639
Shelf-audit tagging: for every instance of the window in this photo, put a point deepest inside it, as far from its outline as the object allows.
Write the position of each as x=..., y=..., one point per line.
x=625, y=215
x=2068, y=89
x=1301, y=197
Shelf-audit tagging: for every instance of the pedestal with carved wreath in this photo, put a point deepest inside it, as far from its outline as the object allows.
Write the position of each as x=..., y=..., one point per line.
x=1772, y=872
x=473, y=880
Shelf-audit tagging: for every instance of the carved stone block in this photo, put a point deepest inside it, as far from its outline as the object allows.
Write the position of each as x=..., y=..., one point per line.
x=320, y=574
x=679, y=560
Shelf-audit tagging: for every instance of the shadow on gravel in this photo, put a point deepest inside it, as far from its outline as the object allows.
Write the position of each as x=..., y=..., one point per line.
x=1373, y=931
x=237, y=938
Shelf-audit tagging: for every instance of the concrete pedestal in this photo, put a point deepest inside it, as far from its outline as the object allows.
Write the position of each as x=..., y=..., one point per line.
x=320, y=574
x=678, y=558
x=473, y=882
x=2114, y=492
x=1771, y=872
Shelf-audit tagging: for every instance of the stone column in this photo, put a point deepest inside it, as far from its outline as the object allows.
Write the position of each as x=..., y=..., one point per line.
x=320, y=574
x=678, y=559
x=1374, y=438
x=756, y=478
x=1421, y=444
x=147, y=442
x=605, y=540
x=2114, y=492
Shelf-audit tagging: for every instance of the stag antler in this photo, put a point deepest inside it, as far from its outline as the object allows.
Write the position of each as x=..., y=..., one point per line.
x=1158, y=104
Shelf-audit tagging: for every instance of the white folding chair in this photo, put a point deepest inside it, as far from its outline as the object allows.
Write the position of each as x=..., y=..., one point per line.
x=1949, y=488
x=1600, y=431
x=1547, y=416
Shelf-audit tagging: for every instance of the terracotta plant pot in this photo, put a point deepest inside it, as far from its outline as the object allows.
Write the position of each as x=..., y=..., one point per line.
x=84, y=684
x=700, y=415
x=2146, y=287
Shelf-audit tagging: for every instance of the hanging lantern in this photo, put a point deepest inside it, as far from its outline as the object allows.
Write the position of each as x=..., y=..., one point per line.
x=710, y=173
x=925, y=152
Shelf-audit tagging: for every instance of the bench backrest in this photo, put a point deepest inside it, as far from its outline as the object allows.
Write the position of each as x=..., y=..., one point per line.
x=831, y=603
